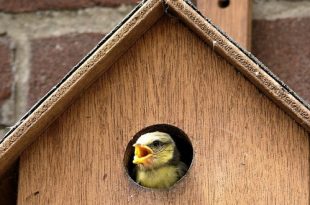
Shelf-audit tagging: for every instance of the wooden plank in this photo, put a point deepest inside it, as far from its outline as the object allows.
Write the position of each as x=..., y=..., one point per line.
x=235, y=19
x=247, y=150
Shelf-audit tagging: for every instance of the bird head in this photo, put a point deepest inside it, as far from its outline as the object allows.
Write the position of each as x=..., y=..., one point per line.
x=153, y=150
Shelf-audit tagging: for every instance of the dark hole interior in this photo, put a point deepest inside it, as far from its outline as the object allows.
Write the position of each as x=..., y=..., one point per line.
x=180, y=138
x=223, y=3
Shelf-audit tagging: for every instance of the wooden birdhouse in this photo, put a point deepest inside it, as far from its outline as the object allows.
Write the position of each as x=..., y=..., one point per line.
x=241, y=131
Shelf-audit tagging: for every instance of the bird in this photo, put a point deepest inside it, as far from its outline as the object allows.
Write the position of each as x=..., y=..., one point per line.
x=157, y=161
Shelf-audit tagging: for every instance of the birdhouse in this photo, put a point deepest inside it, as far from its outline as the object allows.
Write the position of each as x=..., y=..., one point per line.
x=242, y=133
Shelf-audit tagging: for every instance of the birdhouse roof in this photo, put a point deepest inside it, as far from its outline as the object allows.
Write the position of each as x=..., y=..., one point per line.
x=113, y=45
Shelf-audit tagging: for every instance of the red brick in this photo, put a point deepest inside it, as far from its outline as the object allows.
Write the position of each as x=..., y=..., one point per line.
x=6, y=77
x=53, y=57
x=35, y=5
x=284, y=46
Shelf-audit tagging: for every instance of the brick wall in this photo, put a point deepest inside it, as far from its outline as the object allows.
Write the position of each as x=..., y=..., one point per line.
x=281, y=40
x=35, y=37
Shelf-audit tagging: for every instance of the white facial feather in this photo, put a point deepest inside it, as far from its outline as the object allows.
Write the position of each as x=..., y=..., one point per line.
x=150, y=137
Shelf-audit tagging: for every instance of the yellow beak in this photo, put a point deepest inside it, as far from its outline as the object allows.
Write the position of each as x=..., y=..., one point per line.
x=142, y=154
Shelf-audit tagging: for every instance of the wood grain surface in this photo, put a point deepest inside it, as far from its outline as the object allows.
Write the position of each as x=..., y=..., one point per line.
x=247, y=150
x=235, y=19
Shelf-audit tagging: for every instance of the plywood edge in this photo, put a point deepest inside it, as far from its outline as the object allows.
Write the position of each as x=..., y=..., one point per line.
x=90, y=68
x=247, y=64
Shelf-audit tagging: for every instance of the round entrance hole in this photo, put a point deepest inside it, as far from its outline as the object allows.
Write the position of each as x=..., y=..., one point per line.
x=181, y=140
x=223, y=3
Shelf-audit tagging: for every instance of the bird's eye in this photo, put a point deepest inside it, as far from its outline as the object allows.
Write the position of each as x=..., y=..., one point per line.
x=157, y=143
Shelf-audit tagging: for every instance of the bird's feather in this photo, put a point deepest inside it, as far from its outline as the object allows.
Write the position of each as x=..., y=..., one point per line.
x=162, y=177
x=165, y=168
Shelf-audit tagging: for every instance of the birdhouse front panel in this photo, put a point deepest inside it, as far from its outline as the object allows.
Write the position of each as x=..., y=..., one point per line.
x=246, y=149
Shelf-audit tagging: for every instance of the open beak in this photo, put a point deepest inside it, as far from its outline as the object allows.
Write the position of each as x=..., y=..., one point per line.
x=142, y=154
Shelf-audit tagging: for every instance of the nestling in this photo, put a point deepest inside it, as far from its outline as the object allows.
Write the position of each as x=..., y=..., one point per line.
x=157, y=161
